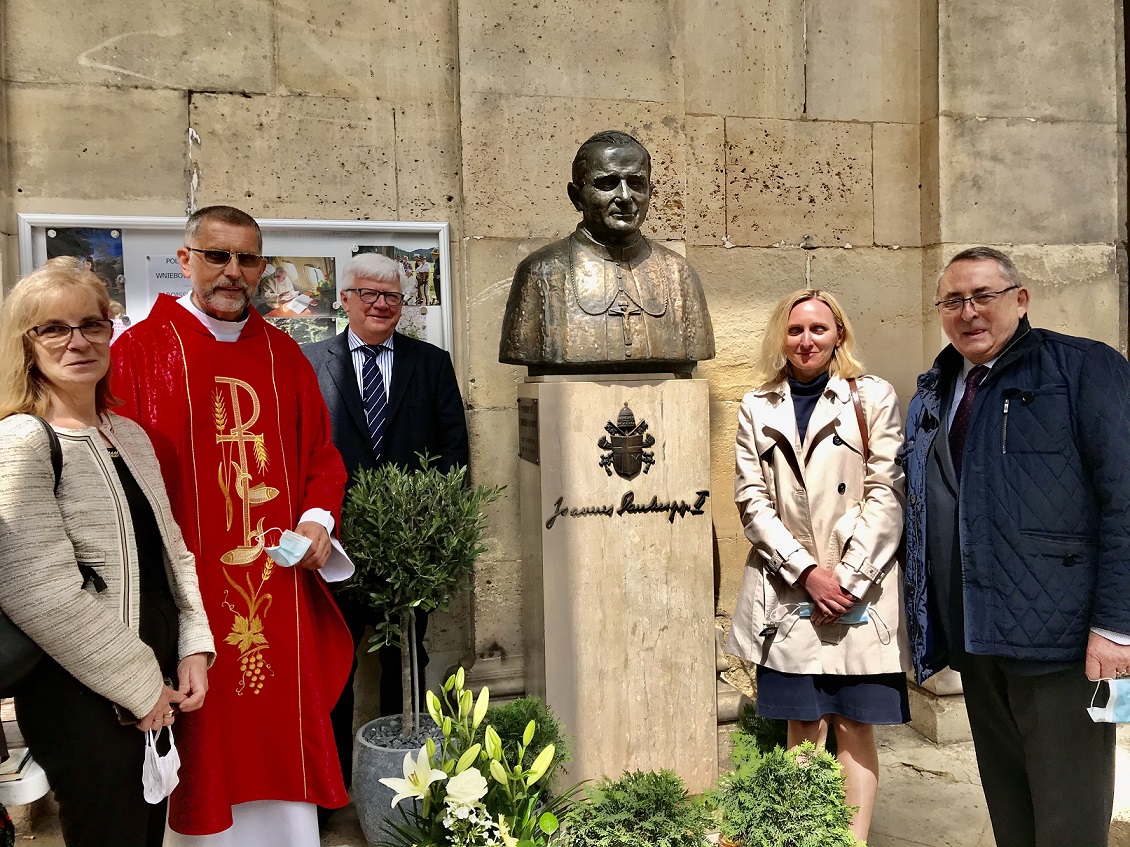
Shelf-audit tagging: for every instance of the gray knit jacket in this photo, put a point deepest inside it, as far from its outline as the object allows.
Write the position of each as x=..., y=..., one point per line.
x=43, y=537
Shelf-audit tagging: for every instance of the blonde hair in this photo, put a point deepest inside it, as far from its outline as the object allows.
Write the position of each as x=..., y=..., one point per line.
x=773, y=365
x=22, y=387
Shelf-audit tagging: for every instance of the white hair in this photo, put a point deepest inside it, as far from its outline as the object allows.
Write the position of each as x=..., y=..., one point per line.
x=376, y=267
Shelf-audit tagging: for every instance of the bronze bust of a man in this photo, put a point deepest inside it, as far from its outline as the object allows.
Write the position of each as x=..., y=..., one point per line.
x=605, y=299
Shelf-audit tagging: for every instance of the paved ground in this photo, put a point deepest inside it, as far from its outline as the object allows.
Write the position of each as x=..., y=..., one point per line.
x=929, y=796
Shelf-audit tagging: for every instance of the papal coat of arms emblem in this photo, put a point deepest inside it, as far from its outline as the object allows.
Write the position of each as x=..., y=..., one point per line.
x=627, y=452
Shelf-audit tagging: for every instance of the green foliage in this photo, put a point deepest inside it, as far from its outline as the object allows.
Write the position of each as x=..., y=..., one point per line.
x=788, y=798
x=414, y=538
x=767, y=733
x=649, y=808
x=510, y=721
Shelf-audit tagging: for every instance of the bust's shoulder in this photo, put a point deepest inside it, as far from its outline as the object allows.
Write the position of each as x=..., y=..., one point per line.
x=551, y=254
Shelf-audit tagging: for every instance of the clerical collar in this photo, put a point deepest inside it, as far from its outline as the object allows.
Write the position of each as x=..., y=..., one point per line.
x=221, y=330
x=629, y=253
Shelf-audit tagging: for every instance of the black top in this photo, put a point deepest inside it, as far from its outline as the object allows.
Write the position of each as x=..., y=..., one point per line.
x=805, y=397
x=158, y=624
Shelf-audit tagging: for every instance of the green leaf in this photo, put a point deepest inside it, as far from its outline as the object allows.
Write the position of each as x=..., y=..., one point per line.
x=548, y=823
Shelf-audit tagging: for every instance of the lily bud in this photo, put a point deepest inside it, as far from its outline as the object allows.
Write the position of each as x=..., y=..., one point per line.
x=541, y=765
x=498, y=772
x=468, y=758
x=493, y=743
x=434, y=707
x=480, y=708
x=528, y=735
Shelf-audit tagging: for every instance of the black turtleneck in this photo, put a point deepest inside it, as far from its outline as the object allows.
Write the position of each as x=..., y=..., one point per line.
x=805, y=396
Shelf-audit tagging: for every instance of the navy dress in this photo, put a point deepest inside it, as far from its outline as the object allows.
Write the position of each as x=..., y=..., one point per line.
x=871, y=699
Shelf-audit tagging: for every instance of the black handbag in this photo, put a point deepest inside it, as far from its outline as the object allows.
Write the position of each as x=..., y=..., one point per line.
x=19, y=654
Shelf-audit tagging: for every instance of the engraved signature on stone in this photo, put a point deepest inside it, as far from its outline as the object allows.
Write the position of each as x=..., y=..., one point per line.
x=629, y=506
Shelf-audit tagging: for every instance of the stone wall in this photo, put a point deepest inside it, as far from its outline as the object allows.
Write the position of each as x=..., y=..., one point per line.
x=846, y=145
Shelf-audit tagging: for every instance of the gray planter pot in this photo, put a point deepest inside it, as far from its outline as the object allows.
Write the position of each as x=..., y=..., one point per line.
x=371, y=763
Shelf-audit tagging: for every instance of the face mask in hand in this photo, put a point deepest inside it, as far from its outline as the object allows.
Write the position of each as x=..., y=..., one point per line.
x=1117, y=708
x=292, y=547
x=159, y=773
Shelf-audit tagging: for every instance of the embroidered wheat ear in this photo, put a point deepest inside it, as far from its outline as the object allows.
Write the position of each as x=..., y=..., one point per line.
x=261, y=453
x=267, y=568
x=219, y=411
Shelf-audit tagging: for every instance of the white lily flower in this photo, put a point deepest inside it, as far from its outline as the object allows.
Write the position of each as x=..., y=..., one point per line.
x=418, y=776
x=466, y=788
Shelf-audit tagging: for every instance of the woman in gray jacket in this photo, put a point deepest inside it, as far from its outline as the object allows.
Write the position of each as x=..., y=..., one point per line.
x=94, y=570
x=821, y=499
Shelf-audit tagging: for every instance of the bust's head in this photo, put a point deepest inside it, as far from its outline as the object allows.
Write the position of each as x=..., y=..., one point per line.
x=611, y=186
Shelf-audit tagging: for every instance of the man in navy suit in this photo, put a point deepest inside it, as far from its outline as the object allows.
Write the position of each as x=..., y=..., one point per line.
x=422, y=412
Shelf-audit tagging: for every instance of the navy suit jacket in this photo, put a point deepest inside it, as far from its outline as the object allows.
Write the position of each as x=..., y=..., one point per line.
x=425, y=409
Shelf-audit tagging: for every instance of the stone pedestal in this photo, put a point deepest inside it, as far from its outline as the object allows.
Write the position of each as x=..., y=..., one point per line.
x=618, y=576
x=937, y=708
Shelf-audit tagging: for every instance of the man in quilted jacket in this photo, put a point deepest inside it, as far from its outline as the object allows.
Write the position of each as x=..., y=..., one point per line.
x=1017, y=461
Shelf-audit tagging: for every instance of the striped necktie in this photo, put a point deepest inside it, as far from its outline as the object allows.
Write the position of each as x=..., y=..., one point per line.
x=373, y=397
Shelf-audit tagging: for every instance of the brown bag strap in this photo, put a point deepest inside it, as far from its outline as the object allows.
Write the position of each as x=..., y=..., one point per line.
x=860, y=419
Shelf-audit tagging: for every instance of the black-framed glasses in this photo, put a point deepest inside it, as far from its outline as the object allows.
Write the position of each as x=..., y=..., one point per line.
x=372, y=295
x=220, y=258
x=954, y=305
x=58, y=335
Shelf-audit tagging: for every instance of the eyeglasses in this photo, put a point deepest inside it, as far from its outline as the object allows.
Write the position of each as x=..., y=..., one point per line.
x=372, y=295
x=59, y=335
x=954, y=305
x=220, y=258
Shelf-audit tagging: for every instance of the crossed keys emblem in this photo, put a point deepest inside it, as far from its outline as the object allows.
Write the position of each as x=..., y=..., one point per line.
x=627, y=451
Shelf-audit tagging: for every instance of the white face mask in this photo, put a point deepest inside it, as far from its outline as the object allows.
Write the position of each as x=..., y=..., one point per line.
x=1117, y=708
x=292, y=547
x=159, y=773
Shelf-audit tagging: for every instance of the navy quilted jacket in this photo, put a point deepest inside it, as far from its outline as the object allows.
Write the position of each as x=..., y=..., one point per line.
x=1044, y=506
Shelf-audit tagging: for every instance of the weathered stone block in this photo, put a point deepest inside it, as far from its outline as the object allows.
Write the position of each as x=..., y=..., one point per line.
x=999, y=62
x=300, y=157
x=898, y=184
x=570, y=48
x=744, y=58
x=1073, y=288
x=930, y=219
x=862, y=60
x=1028, y=182
x=427, y=162
x=942, y=719
x=879, y=290
x=70, y=142
x=928, y=59
x=401, y=51
x=497, y=601
x=793, y=182
x=517, y=190
x=742, y=286
x=706, y=180
x=487, y=273
x=191, y=45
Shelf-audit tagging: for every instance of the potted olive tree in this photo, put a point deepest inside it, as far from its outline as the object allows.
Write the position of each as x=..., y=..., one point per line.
x=414, y=537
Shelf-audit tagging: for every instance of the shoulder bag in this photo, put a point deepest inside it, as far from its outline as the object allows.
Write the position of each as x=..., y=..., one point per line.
x=19, y=654
x=860, y=419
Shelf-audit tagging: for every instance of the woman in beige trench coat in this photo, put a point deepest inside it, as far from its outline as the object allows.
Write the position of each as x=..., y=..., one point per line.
x=820, y=610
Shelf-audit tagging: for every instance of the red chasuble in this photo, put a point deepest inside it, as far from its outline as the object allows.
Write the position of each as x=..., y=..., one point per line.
x=243, y=437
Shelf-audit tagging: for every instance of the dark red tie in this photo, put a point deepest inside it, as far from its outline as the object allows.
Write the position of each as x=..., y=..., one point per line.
x=960, y=424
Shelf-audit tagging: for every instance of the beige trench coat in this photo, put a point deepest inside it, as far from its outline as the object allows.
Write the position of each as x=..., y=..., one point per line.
x=812, y=503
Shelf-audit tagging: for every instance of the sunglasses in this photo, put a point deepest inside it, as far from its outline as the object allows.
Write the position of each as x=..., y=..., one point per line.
x=220, y=258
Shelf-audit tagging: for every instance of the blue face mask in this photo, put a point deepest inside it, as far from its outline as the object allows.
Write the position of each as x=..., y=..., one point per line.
x=292, y=547
x=1117, y=708
x=857, y=614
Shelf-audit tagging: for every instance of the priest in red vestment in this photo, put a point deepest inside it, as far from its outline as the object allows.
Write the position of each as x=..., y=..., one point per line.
x=243, y=437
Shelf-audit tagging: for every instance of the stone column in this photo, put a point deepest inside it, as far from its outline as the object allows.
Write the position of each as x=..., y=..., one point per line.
x=618, y=583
